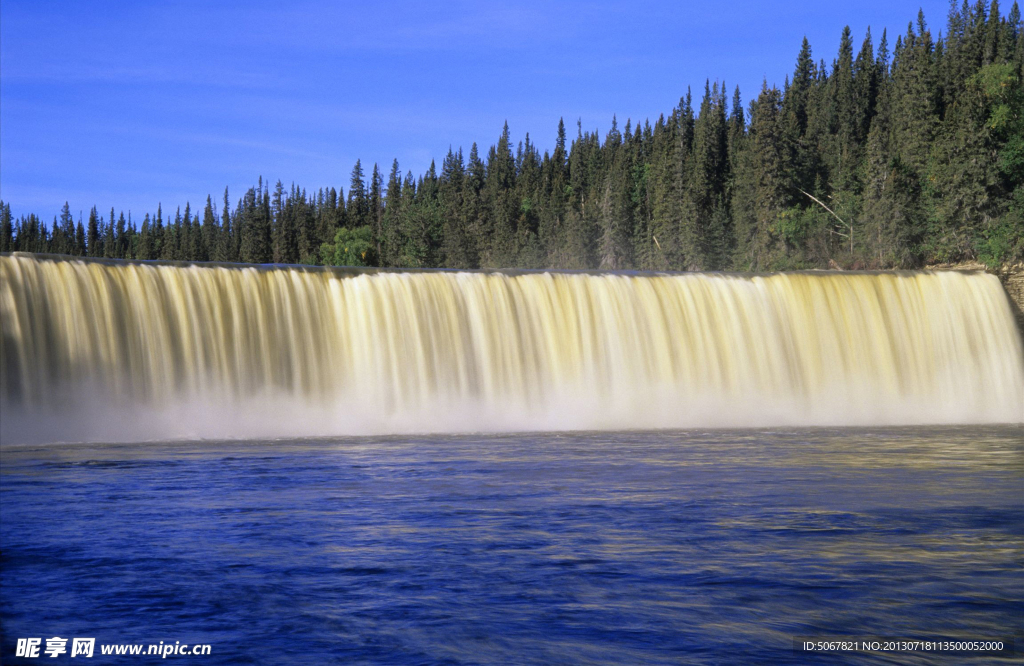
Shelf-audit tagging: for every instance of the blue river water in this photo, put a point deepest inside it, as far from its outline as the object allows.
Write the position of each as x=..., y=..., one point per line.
x=583, y=548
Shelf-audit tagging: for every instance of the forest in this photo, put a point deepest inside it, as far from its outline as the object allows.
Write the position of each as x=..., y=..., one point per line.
x=897, y=155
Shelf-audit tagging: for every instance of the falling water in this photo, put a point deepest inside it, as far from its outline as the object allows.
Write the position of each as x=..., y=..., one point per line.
x=94, y=349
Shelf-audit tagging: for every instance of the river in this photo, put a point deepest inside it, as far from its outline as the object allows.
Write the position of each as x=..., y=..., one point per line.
x=676, y=546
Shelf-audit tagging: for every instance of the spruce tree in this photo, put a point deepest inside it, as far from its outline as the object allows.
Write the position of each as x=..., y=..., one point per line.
x=457, y=245
x=158, y=233
x=473, y=205
x=210, y=241
x=226, y=249
x=393, y=238
x=500, y=204
x=706, y=239
x=255, y=227
x=92, y=237
x=375, y=201
x=616, y=214
x=145, y=249
x=551, y=226
x=770, y=158
x=358, y=208
x=6, y=228
x=185, y=240
x=414, y=249
x=915, y=114
x=527, y=195
x=64, y=232
x=79, y=250
x=121, y=237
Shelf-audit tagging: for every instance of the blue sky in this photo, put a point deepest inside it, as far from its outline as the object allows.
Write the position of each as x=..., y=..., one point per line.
x=128, y=104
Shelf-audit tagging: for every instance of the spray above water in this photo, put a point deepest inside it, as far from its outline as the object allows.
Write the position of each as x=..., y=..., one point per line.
x=100, y=350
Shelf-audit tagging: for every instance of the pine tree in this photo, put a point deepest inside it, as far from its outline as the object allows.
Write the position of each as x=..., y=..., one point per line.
x=422, y=222
x=670, y=173
x=527, y=196
x=64, y=232
x=892, y=214
x=865, y=89
x=393, y=239
x=796, y=99
x=171, y=250
x=227, y=248
x=92, y=236
x=705, y=238
x=770, y=159
x=255, y=227
x=844, y=102
x=210, y=242
x=500, y=204
x=616, y=212
x=328, y=216
x=121, y=237
x=130, y=239
x=582, y=226
x=414, y=250
x=458, y=247
x=358, y=207
x=964, y=181
x=145, y=250
x=279, y=226
x=914, y=99
x=473, y=204
x=993, y=34
x=551, y=226
x=376, y=213
x=6, y=228
x=79, y=239
x=185, y=243
x=158, y=233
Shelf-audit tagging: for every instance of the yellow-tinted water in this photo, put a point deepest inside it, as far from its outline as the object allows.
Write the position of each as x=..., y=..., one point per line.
x=174, y=350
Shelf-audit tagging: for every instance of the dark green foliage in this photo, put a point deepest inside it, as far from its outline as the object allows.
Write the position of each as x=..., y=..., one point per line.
x=458, y=243
x=499, y=232
x=357, y=210
x=92, y=238
x=351, y=247
x=285, y=241
x=253, y=225
x=226, y=248
x=707, y=231
x=615, y=208
x=6, y=228
x=79, y=249
x=210, y=241
x=392, y=239
x=376, y=215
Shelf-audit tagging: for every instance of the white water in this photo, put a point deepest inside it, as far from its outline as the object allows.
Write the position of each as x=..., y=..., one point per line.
x=110, y=351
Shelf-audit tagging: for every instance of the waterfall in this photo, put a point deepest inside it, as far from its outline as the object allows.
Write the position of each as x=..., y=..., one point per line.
x=102, y=349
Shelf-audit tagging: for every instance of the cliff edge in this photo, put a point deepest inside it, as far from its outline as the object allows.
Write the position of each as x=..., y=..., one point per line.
x=1012, y=278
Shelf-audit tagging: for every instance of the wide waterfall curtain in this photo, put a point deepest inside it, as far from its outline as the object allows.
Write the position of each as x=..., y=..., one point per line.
x=392, y=351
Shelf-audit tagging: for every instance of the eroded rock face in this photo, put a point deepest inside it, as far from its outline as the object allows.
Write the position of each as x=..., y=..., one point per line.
x=1012, y=278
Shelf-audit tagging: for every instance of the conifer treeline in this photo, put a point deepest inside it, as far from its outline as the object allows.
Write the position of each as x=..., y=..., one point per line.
x=881, y=160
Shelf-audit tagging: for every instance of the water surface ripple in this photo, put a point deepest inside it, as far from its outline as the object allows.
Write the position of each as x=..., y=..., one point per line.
x=588, y=548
